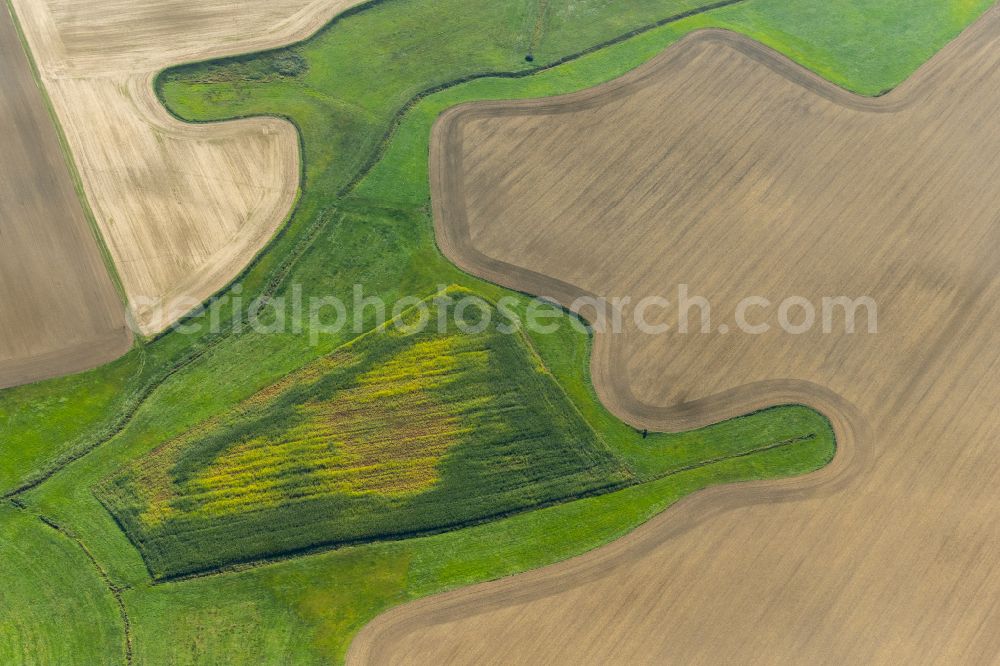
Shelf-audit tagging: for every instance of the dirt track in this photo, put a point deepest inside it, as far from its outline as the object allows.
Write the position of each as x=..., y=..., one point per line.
x=726, y=167
x=182, y=207
x=59, y=311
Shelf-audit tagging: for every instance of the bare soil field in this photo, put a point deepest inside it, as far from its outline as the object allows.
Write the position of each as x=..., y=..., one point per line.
x=181, y=207
x=59, y=310
x=723, y=166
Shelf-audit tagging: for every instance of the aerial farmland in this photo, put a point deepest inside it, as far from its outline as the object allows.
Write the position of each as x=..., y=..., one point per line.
x=61, y=311
x=454, y=332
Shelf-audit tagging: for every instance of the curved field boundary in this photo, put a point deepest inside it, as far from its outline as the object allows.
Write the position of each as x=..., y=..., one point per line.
x=378, y=152
x=856, y=432
x=373, y=644
x=308, y=233
x=853, y=431
x=98, y=66
x=78, y=357
x=453, y=236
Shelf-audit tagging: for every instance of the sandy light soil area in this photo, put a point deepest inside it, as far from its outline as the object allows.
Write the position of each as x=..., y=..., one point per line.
x=59, y=310
x=723, y=166
x=181, y=207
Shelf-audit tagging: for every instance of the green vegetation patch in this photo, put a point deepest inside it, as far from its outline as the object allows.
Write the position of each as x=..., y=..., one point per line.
x=398, y=433
x=361, y=72
x=272, y=66
x=54, y=607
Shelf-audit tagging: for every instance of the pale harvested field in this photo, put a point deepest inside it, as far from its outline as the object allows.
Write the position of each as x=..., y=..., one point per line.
x=59, y=311
x=726, y=167
x=181, y=207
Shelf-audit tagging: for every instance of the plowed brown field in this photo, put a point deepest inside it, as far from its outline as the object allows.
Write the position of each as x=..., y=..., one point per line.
x=182, y=207
x=725, y=167
x=59, y=311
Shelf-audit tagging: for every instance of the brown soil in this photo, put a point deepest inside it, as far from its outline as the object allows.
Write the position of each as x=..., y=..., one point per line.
x=59, y=311
x=726, y=167
x=183, y=208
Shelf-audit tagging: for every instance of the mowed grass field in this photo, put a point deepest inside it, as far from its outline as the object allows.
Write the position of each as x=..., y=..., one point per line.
x=56, y=609
x=69, y=435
